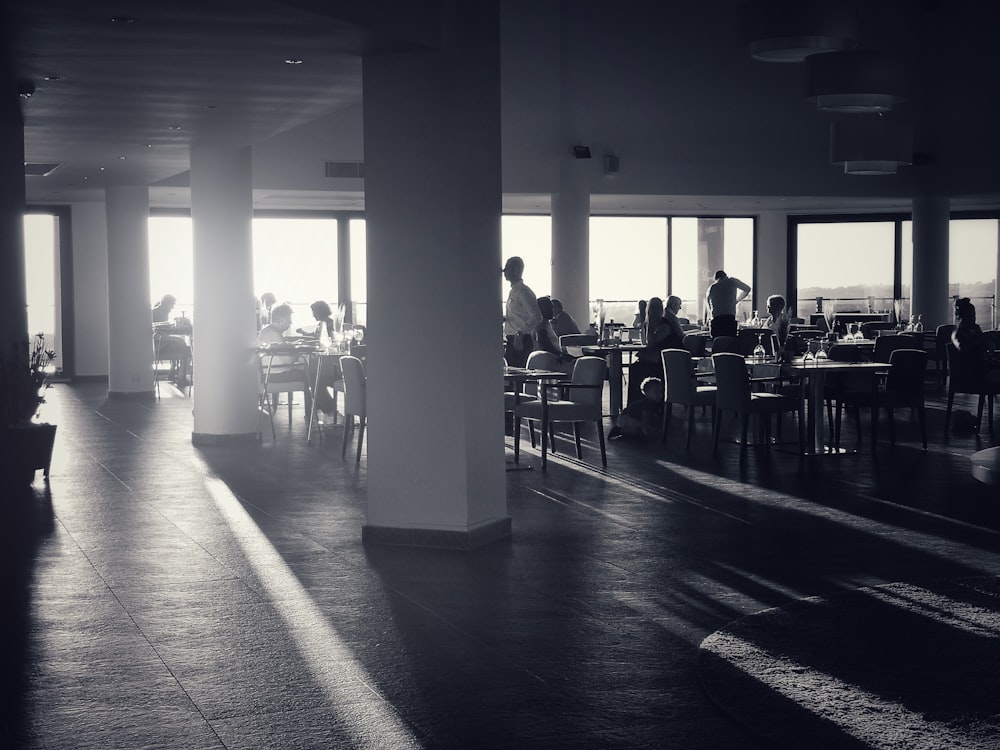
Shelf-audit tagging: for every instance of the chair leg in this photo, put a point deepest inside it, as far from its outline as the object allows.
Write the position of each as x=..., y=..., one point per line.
x=690, y=410
x=600, y=437
x=348, y=419
x=744, y=421
x=667, y=408
x=361, y=437
x=517, y=438
x=552, y=438
x=531, y=432
x=576, y=439
x=979, y=411
x=923, y=425
x=890, y=413
x=947, y=414
x=716, y=424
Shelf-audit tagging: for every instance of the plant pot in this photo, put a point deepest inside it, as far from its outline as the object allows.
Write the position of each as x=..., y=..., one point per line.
x=26, y=448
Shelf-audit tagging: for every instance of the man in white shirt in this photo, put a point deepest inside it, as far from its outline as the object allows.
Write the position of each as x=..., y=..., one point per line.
x=722, y=298
x=522, y=317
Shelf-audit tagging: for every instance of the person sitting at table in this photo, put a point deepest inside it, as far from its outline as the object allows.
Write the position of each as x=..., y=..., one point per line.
x=663, y=331
x=545, y=335
x=640, y=317
x=284, y=368
x=324, y=317
x=562, y=321
x=168, y=346
x=264, y=308
x=973, y=346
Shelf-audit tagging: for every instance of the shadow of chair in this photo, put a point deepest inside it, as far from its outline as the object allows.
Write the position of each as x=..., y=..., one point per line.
x=580, y=401
x=903, y=388
x=968, y=375
x=681, y=387
x=734, y=395
x=355, y=401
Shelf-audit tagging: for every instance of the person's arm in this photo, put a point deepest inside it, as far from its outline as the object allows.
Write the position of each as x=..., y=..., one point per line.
x=744, y=290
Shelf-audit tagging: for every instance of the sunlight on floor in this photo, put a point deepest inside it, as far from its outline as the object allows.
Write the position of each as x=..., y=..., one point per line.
x=943, y=609
x=870, y=718
x=372, y=722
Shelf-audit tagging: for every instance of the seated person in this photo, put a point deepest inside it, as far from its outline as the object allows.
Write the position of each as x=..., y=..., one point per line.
x=639, y=320
x=969, y=340
x=663, y=331
x=562, y=321
x=777, y=320
x=545, y=336
x=267, y=300
x=168, y=346
x=284, y=368
x=324, y=317
x=330, y=374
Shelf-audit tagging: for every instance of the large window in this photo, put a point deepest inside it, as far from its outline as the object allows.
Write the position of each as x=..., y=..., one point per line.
x=359, y=270
x=171, y=262
x=628, y=262
x=972, y=265
x=41, y=271
x=529, y=237
x=851, y=265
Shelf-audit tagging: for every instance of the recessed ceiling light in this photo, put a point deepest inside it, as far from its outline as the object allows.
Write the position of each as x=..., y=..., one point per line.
x=122, y=19
x=292, y=61
x=123, y=157
x=51, y=78
x=102, y=169
x=149, y=145
x=173, y=127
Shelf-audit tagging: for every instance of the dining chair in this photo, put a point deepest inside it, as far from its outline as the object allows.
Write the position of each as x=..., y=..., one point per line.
x=724, y=344
x=696, y=344
x=747, y=338
x=681, y=387
x=886, y=345
x=573, y=343
x=734, y=395
x=968, y=376
x=942, y=337
x=579, y=402
x=288, y=380
x=355, y=400
x=903, y=388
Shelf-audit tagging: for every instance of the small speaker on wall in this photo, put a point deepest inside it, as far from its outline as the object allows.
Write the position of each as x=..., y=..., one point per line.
x=581, y=152
x=611, y=165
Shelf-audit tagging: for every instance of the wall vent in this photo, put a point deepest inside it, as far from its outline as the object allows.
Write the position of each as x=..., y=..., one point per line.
x=39, y=169
x=345, y=169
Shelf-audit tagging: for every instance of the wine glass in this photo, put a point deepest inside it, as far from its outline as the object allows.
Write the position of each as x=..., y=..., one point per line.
x=359, y=335
x=821, y=355
x=759, y=352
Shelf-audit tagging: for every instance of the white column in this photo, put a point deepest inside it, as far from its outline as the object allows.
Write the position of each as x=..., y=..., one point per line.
x=930, y=261
x=225, y=329
x=130, y=342
x=432, y=197
x=571, y=238
x=13, y=303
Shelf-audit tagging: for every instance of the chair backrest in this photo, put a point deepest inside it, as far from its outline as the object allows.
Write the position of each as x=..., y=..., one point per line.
x=724, y=344
x=868, y=329
x=844, y=353
x=966, y=373
x=355, y=386
x=696, y=343
x=906, y=374
x=542, y=360
x=589, y=371
x=886, y=345
x=680, y=386
x=942, y=335
x=732, y=381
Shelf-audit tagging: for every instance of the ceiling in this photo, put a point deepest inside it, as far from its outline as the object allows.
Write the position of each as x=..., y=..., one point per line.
x=123, y=90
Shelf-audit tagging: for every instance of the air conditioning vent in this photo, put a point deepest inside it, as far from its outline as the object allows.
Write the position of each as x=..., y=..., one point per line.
x=39, y=169
x=345, y=169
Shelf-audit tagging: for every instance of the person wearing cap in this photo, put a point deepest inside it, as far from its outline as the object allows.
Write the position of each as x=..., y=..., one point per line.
x=522, y=316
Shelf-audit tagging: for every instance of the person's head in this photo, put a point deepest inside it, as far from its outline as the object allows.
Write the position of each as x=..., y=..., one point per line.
x=546, y=308
x=281, y=317
x=965, y=311
x=674, y=304
x=775, y=305
x=557, y=308
x=167, y=302
x=267, y=300
x=320, y=310
x=642, y=306
x=513, y=269
x=655, y=308
x=720, y=274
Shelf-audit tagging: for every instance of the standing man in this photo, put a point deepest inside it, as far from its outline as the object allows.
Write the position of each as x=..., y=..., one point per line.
x=522, y=317
x=722, y=298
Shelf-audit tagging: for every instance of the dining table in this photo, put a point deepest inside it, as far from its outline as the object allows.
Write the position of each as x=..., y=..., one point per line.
x=516, y=377
x=813, y=374
x=612, y=354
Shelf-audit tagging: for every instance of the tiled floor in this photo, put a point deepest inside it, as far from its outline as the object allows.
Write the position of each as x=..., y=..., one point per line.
x=166, y=596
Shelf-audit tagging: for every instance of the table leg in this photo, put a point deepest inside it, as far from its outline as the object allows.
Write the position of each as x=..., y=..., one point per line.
x=615, y=375
x=312, y=411
x=545, y=419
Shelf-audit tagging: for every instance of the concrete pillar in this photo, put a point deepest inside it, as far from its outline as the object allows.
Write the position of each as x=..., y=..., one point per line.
x=130, y=342
x=13, y=301
x=930, y=261
x=225, y=330
x=711, y=247
x=571, y=239
x=432, y=196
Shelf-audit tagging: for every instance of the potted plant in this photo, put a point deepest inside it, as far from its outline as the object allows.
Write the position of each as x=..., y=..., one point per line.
x=26, y=370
